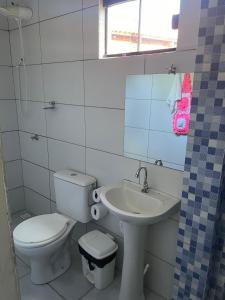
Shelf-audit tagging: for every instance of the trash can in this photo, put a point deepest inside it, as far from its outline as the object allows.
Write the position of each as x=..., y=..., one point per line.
x=98, y=251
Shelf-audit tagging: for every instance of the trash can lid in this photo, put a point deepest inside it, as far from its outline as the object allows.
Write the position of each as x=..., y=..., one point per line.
x=98, y=244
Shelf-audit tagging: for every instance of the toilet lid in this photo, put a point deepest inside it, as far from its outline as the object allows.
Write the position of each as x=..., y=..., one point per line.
x=39, y=229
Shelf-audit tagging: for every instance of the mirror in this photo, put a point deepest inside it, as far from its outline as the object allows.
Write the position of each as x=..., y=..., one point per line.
x=157, y=112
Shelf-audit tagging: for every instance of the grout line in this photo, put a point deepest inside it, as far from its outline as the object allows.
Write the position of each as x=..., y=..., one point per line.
x=12, y=160
x=15, y=188
x=52, y=18
x=9, y=99
x=91, y=289
x=26, y=187
x=69, y=104
x=35, y=164
x=9, y=131
x=159, y=258
x=55, y=62
x=45, y=113
x=84, y=95
x=61, y=296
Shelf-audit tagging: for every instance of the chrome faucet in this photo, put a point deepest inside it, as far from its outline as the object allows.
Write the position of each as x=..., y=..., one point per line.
x=145, y=188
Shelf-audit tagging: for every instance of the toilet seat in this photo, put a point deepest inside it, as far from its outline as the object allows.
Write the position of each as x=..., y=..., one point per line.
x=40, y=230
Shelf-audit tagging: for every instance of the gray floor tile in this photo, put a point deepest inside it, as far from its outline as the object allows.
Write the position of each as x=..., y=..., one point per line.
x=30, y=291
x=72, y=285
x=110, y=293
x=22, y=269
x=152, y=296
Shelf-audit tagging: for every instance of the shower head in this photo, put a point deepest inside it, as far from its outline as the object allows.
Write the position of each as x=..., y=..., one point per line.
x=16, y=12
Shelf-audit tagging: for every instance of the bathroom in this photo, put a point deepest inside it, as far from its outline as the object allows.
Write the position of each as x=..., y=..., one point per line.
x=65, y=90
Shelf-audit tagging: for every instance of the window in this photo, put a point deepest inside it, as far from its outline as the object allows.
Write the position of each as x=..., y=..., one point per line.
x=140, y=26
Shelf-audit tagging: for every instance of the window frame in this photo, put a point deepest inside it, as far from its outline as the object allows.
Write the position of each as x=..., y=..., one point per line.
x=138, y=52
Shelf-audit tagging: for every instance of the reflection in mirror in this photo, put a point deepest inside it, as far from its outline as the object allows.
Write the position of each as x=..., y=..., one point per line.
x=157, y=112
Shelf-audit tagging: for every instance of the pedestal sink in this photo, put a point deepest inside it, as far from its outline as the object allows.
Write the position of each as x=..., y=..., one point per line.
x=136, y=210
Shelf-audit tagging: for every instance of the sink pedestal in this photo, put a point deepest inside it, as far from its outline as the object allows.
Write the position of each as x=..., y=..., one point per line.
x=133, y=262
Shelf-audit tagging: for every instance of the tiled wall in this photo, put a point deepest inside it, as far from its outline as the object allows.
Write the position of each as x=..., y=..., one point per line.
x=85, y=131
x=8, y=278
x=199, y=272
x=9, y=124
x=148, y=129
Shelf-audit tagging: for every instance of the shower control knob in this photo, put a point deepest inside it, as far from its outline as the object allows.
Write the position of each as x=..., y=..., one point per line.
x=35, y=137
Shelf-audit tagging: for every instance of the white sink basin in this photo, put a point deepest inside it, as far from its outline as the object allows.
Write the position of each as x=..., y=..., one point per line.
x=136, y=210
x=125, y=200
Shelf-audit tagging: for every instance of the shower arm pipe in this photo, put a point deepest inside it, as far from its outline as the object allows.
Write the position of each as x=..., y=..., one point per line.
x=16, y=12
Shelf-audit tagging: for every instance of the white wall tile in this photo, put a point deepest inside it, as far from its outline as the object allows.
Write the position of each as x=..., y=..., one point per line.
x=36, y=204
x=33, y=150
x=33, y=77
x=6, y=83
x=36, y=178
x=13, y=174
x=164, y=179
x=65, y=156
x=16, y=200
x=33, y=4
x=137, y=113
x=91, y=32
x=61, y=38
x=167, y=146
x=11, y=146
x=188, y=24
x=66, y=123
x=8, y=115
x=104, y=129
x=52, y=8
x=161, y=117
x=105, y=80
x=31, y=117
x=184, y=61
x=109, y=168
x=63, y=83
x=136, y=141
x=31, y=45
x=138, y=86
x=112, y=223
x=3, y=23
x=88, y=3
x=78, y=231
x=5, y=58
x=159, y=277
x=161, y=240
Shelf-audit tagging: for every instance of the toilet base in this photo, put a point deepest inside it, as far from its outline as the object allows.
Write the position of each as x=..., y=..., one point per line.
x=46, y=268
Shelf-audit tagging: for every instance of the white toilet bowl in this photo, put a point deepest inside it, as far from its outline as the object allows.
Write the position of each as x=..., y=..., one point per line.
x=45, y=241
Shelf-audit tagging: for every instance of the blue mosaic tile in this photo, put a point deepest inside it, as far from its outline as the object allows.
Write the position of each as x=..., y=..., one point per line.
x=200, y=262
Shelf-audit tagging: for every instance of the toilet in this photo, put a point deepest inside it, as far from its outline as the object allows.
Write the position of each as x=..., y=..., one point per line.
x=45, y=239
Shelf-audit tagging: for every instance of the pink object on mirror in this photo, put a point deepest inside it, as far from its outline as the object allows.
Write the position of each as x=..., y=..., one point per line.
x=181, y=116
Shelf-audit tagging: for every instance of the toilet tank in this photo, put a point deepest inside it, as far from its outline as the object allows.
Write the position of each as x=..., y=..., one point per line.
x=73, y=193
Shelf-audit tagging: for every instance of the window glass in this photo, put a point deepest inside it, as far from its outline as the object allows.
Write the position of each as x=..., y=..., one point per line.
x=156, y=19
x=122, y=27
x=141, y=25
